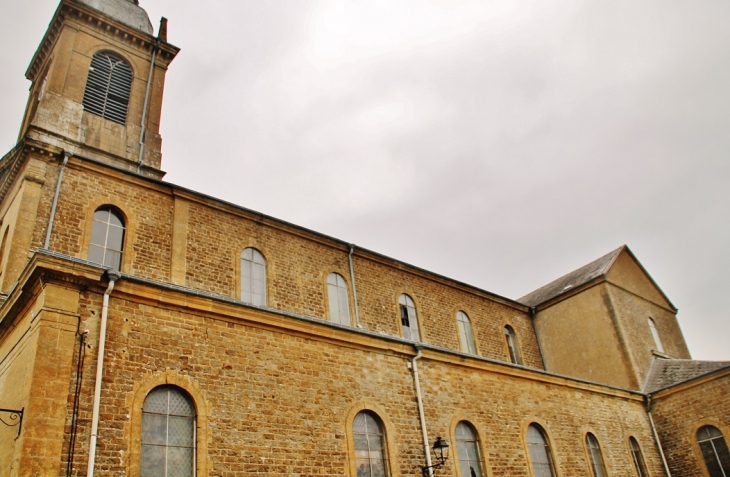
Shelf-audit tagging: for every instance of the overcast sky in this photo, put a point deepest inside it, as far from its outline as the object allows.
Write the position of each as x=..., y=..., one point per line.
x=503, y=144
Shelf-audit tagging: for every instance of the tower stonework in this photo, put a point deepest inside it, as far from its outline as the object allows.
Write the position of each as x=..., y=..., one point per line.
x=56, y=114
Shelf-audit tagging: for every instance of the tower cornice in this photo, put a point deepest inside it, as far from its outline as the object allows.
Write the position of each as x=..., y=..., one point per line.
x=70, y=9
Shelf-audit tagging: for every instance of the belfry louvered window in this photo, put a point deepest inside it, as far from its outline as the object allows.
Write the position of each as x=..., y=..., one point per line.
x=108, y=87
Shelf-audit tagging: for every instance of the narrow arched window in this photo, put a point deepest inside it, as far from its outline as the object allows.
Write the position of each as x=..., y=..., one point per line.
x=714, y=450
x=467, y=448
x=408, y=318
x=514, y=349
x=253, y=277
x=108, y=87
x=540, y=454
x=337, y=296
x=655, y=335
x=371, y=457
x=466, y=336
x=595, y=456
x=638, y=458
x=168, y=434
x=107, y=237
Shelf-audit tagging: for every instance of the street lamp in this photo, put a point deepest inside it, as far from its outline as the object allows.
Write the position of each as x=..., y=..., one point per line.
x=441, y=451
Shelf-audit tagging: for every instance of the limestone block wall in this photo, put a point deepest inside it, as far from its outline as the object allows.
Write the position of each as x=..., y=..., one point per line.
x=277, y=395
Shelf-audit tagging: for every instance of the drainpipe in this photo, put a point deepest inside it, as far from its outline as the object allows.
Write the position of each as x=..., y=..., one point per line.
x=656, y=436
x=66, y=155
x=421, y=416
x=142, y=126
x=113, y=276
x=533, y=312
x=354, y=288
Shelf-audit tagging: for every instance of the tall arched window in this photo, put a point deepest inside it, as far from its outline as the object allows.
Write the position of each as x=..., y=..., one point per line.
x=514, y=349
x=107, y=237
x=540, y=455
x=466, y=336
x=337, y=296
x=108, y=87
x=2, y=248
x=467, y=448
x=253, y=277
x=168, y=434
x=714, y=450
x=408, y=318
x=371, y=458
x=595, y=456
x=638, y=458
x=655, y=335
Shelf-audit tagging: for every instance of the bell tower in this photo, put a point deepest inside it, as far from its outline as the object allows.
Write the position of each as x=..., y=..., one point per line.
x=97, y=82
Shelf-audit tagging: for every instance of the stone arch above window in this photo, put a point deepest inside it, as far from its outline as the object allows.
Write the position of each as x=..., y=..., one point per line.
x=598, y=468
x=253, y=277
x=467, y=449
x=168, y=433
x=541, y=457
x=466, y=333
x=106, y=244
x=108, y=87
x=337, y=296
x=409, y=318
x=714, y=451
x=512, y=345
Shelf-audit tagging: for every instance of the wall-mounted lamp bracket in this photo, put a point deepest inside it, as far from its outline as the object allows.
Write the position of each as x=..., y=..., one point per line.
x=15, y=417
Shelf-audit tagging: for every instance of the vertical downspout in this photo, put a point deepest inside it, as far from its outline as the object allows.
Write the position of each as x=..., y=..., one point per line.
x=533, y=312
x=354, y=288
x=49, y=229
x=421, y=415
x=113, y=276
x=143, y=128
x=656, y=436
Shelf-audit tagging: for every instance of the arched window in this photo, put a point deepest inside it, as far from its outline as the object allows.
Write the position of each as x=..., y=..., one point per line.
x=467, y=448
x=408, y=318
x=594, y=454
x=540, y=455
x=514, y=349
x=714, y=450
x=253, y=277
x=337, y=295
x=655, y=334
x=371, y=458
x=168, y=434
x=638, y=458
x=107, y=238
x=2, y=248
x=466, y=336
x=108, y=87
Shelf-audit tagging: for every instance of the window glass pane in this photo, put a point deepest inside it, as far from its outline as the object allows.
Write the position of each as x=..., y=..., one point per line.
x=468, y=450
x=344, y=306
x=655, y=335
x=154, y=429
x=594, y=453
x=96, y=254
x=333, y=303
x=115, y=237
x=638, y=459
x=179, y=462
x=715, y=451
x=152, y=461
x=98, y=233
x=180, y=431
x=113, y=259
x=102, y=215
x=114, y=219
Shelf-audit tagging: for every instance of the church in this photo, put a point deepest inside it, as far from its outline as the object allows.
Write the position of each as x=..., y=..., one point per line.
x=149, y=330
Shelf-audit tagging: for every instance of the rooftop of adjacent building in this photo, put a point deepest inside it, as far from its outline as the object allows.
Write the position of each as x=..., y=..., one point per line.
x=665, y=373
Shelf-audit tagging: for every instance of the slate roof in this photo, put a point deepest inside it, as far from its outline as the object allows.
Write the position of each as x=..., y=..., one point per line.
x=572, y=280
x=664, y=373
